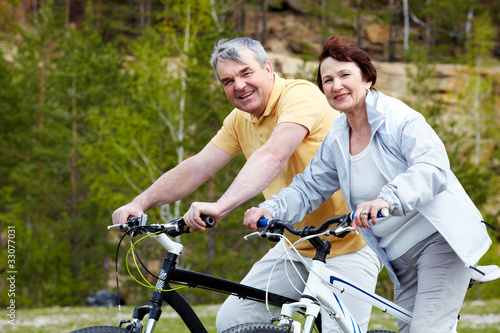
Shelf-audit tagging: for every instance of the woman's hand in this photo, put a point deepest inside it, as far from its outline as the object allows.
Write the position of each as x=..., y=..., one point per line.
x=253, y=215
x=369, y=207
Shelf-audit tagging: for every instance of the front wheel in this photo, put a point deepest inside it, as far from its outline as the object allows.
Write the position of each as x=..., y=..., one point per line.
x=255, y=328
x=101, y=329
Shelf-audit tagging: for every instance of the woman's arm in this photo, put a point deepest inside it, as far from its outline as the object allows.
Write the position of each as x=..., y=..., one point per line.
x=428, y=165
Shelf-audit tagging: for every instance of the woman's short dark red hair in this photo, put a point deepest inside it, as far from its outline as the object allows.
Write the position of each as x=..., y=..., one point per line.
x=341, y=49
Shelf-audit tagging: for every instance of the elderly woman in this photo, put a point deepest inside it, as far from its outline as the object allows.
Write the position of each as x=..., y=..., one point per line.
x=383, y=154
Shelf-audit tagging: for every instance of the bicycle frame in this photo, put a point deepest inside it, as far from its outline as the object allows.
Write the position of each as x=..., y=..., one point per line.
x=316, y=289
x=164, y=293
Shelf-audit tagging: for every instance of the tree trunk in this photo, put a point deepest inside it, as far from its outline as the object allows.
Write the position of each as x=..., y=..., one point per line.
x=256, y=19
x=476, y=110
x=406, y=29
x=215, y=17
x=428, y=29
x=211, y=231
x=67, y=11
x=264, y=21
x=243, y=17
x=73, y=147
x=359, y=22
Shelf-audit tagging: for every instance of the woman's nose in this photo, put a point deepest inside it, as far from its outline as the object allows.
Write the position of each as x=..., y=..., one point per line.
x=337, y=85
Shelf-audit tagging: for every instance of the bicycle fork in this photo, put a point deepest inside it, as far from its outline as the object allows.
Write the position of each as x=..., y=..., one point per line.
x=153, y=309
x=163, y=292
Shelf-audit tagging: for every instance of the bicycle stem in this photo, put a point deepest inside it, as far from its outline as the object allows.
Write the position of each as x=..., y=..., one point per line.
x=170, y=245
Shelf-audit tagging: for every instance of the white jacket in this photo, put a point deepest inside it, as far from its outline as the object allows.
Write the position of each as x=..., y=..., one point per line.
x=414, y=161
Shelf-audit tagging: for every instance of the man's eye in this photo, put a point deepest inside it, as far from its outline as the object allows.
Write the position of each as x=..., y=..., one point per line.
x=227, y=83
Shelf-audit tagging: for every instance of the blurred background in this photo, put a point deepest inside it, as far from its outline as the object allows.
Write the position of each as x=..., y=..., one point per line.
x=98, y=98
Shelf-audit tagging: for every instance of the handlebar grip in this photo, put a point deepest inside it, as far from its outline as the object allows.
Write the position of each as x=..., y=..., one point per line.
x=209, y=220
x=381, y=213
x=262, y=223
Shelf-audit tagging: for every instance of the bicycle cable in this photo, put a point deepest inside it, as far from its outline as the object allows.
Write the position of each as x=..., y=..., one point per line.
x=116, y=276
x=135, y=256
x=130, y=233
x=289, y=258
x=302, y=260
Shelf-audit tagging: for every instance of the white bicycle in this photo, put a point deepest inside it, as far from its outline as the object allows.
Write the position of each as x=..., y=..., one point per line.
x=323, y=285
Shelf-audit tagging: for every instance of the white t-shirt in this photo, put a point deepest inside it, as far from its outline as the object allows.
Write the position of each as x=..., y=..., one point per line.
x=396, y=234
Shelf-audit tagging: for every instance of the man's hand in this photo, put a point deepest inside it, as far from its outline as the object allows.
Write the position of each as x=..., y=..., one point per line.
x=121, y=215
x=192, y=216
x=253, y=215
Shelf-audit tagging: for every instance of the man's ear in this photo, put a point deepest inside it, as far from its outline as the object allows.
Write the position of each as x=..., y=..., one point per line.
x=269, y=67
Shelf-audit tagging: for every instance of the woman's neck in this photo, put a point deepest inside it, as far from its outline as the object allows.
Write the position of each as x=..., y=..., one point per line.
x=360, y=131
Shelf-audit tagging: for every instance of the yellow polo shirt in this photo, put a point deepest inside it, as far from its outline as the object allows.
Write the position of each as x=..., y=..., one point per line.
x=300, y=102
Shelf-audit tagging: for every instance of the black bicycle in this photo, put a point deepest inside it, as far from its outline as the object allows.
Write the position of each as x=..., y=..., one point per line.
x=170, y=274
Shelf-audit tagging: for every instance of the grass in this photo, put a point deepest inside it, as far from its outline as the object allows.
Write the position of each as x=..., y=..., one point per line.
x=476, y=317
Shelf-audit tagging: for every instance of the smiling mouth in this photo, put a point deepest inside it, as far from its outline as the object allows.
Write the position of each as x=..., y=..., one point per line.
x=246, y=95
x=340, y=97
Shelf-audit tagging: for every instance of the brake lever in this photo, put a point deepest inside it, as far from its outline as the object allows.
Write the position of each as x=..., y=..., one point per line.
x=343, y=231
x=252, y=235
x=132, y=221
x=117, y=226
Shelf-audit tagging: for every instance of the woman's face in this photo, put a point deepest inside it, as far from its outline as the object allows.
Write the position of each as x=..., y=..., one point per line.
x=343, y=85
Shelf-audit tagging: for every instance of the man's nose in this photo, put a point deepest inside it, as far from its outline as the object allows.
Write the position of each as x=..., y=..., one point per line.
x=239, y=84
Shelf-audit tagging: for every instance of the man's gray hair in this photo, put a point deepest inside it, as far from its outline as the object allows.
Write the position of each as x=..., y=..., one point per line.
x=230, y=50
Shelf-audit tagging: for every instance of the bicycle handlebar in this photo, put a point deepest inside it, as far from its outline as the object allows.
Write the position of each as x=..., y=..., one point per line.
x=273, y=226
x=173, y=228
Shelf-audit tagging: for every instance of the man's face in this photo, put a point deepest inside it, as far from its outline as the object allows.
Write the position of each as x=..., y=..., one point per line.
x=247, y=86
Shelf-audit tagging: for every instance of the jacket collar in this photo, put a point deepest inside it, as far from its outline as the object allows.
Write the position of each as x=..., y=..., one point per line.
x=375, y=116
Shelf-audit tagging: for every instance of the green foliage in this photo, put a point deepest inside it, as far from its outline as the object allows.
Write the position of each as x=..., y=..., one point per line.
x=60, y=74
x=92, y=114
x=481, y=40
x=424, y=92
x=446, y=24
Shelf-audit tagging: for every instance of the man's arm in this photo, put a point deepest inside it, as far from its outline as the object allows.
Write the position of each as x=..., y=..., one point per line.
x=257, y=173
x=177, y=183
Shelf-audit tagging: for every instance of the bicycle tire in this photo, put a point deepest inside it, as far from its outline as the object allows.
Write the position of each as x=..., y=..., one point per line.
x=255, y=328
x=101, y=329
